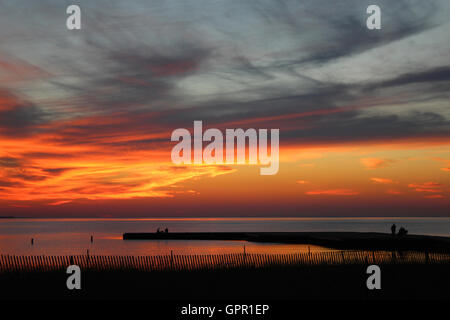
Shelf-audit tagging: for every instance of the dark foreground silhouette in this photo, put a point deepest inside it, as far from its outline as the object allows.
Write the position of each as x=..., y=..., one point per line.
x=300, y=283
x=320, y=276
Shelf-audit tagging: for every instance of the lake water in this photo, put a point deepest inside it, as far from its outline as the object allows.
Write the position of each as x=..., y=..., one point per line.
x=72, y=236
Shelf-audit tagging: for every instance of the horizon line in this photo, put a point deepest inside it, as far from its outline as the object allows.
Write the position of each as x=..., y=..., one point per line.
x=227, y=218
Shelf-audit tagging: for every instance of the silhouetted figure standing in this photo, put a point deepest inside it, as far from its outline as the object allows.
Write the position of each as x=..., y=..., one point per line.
x=393, y=228
x=166, y=230
x=32, y=241
x=158, y=231
x=92, y=239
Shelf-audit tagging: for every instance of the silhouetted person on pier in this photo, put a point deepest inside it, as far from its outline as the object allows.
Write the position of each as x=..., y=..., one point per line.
x=158, y=231
x=402, y=232
x=92, y=239
x=393, y=228
x=32, y=241
x=166, y=230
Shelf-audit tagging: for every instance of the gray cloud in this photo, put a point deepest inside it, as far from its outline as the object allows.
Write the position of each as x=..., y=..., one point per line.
x=9, y=162
x=125, y=66
x=439, y=74
x=19, y=117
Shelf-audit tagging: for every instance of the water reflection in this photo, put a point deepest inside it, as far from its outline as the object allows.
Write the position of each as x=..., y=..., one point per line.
x=72, y=236
x=73, y=244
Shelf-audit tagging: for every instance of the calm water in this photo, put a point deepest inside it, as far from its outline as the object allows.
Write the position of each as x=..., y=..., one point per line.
x=72, y=236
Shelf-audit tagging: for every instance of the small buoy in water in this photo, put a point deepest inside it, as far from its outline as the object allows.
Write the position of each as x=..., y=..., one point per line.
x=92, y=239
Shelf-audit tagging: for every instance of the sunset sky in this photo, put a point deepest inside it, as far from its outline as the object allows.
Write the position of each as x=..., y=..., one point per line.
x=86, y=115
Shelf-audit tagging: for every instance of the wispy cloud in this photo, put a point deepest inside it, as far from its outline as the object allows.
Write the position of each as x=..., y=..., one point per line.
x=375, y=163
x=382, y=180
x=434, y=196
x=333, y=192
x=426, y=187
x=394, y=192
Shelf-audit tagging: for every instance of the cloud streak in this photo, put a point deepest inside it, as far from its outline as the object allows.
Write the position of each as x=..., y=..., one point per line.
x=332, y=192
x=375, y=163
x=381, y=180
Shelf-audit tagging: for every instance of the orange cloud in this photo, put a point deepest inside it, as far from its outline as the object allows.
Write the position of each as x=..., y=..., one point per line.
x=333, y=192
x=96, y=180
x=57, y=203
x=381, y=180
x=302, y=182
x=426, y=187
x=445, y=162
x=374, y=163
x=394, y=192
x=56, y=168
x=435, y=196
